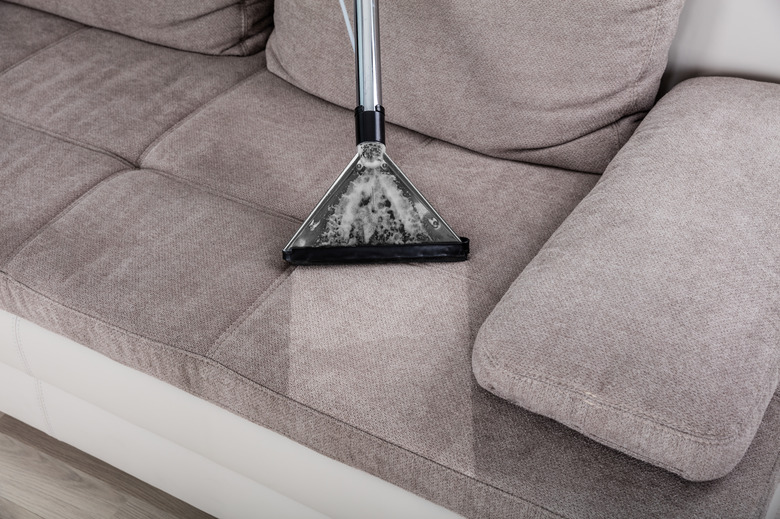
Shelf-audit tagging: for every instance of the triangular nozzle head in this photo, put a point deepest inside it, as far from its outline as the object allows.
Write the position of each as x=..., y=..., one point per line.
x=373, y=213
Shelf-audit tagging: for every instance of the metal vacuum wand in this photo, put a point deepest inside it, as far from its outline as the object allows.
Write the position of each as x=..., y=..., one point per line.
x=369, y=114
x=372, y=212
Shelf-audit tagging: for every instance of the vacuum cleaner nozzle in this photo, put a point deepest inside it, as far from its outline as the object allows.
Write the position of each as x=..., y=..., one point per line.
x=373, y=213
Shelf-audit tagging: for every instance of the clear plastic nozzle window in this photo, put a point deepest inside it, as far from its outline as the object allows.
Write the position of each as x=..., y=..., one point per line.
x=372, y=203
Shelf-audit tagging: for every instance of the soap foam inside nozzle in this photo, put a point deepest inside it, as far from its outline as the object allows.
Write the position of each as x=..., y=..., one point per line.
x=372, y=203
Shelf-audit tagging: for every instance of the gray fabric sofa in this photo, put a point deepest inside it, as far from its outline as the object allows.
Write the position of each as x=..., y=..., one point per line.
x=610, y=349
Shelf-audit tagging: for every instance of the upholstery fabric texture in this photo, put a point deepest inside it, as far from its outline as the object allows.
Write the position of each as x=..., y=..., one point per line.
x=119, y=99
x=220, y=27
x=649, y=321
x=24, y=31
x=146, y=221
x=553, y=83
x=41, y=176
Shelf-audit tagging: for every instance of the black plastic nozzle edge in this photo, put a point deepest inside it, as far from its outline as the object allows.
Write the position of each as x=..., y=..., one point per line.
x=370, y=124
x=441, y=251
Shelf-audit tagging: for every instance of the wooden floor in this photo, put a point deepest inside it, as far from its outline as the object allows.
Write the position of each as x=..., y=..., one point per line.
x=42, y=478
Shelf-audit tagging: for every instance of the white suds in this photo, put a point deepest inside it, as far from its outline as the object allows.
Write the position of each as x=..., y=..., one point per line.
x=373, y=210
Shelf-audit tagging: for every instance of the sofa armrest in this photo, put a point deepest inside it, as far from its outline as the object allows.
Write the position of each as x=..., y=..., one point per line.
x=650, y=321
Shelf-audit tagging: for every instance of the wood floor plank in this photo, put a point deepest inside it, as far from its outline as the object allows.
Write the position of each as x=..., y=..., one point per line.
x=135, y=496
x=9, y=510
x=137, y=509
x=51, y=488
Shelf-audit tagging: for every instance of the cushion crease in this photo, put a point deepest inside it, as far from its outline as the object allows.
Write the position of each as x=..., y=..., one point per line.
x=698, y=437
x=41, y=50
x=13, y=120
x=157, y=140
x=221, y=194
x=57, y=217
x=262, y=298
x=646, y=61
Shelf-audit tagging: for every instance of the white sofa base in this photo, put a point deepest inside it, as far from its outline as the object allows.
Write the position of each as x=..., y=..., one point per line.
x=190, y=448
x=176, y=442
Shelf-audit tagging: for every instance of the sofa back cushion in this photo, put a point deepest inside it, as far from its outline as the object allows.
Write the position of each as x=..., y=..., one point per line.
x=207, y=26
x=556, y=83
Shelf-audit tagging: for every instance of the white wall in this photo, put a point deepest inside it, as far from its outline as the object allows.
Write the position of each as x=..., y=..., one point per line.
x=727, y=37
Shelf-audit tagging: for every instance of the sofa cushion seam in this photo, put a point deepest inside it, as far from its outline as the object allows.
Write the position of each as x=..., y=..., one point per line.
x=257, y=303
x=197, y=110
x=7, y=262
x=19, y=122
x=651, y=420
x=43, y=49
x=634, y=454
x=220, y=194
x=646, y=61
x=310, y=409
x=496, y=294
x=618, y=139
x=242, y=5
x=581, y=393
x=245, y=381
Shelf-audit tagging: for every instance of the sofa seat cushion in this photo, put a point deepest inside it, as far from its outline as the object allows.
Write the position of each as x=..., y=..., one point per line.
x=222, y=27
x=561, y=84
x=136, y=249
x=172, y=265
x=650, y=320
x=112, y=93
